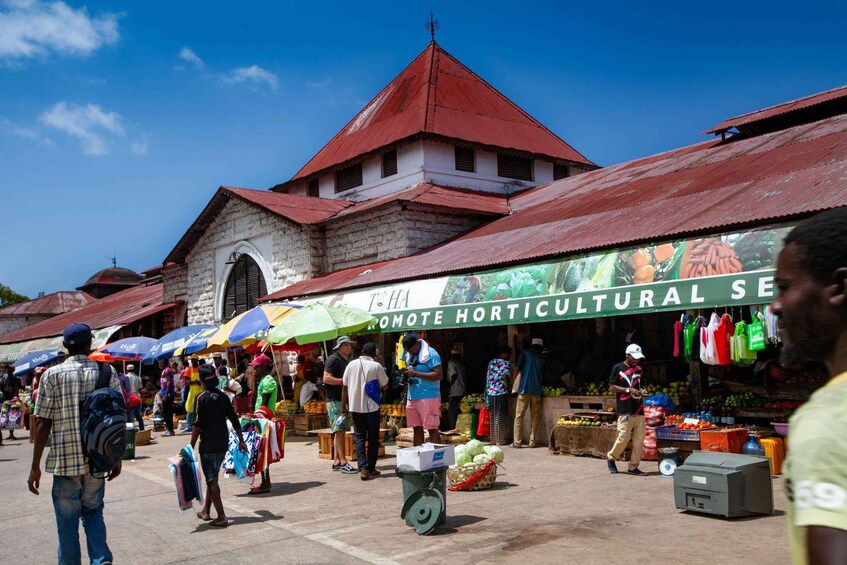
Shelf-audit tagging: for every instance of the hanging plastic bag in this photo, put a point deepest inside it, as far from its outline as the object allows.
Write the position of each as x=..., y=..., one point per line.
x=756, y=336
x=484, y=426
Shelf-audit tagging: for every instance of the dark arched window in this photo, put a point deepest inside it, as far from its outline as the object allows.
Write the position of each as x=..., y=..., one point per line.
x=244, y=287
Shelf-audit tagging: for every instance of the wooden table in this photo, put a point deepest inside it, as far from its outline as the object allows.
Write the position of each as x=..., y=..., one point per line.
x=583, y=440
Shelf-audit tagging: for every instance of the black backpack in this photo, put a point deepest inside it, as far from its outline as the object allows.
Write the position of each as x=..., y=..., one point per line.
x=103, y=425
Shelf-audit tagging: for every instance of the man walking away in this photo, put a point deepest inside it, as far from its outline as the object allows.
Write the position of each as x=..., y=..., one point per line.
x=531, y=368
x=423, y=406
x=168, y=393
x=77, y=494
x=213, y=410
x=456, y=376
x=811, y=305
x=333, y=380
x=625, y=380
x=364, y=380
x=134, y=388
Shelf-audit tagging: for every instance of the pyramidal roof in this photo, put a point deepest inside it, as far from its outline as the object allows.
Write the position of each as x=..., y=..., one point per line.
x=436, y=94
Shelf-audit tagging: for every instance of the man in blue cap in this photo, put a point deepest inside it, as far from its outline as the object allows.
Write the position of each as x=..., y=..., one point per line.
x=77, y=494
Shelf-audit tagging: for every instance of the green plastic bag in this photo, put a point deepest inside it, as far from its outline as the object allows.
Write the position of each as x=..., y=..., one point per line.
x=741, y=353
x=756, y=336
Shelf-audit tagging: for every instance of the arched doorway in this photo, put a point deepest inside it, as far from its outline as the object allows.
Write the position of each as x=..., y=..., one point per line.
x=244, y=286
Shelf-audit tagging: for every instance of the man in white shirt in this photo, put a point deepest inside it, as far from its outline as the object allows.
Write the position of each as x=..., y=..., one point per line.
x=362, y=383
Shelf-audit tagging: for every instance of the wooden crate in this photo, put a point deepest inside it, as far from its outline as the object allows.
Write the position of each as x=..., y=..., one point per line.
x=304, y=423
x=326, y=448
x=587, y=404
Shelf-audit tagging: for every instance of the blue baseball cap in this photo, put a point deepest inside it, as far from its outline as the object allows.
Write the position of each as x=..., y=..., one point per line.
x=77, y=334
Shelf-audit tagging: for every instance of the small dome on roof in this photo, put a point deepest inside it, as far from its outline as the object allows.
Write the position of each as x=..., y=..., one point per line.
x=109, y=281
x=114, y=275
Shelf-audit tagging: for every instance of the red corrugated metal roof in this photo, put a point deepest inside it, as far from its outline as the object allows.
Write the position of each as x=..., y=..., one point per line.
x=121, y=308
x=299, y=209
x=702, y=188
x=438, y=95
x=438, y=196
x=780, y=109
x=49, y=305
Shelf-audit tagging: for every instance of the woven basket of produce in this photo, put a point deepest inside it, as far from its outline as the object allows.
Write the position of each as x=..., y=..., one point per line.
x=477, y=476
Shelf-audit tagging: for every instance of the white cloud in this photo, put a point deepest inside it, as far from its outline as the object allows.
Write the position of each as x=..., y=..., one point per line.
x=90, y=124
x=253, y=75
x=189, y=56
x=139, y=148
x=319, y=85
x=33, y=133
x=34, y=28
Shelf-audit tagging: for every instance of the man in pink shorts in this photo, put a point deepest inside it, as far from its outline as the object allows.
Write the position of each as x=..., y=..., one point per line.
x=423, y=407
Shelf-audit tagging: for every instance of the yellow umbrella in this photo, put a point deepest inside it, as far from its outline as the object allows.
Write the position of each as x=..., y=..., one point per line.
x=247, y=328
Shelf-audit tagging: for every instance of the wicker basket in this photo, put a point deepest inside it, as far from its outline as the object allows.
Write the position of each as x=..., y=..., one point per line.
x=456, y=475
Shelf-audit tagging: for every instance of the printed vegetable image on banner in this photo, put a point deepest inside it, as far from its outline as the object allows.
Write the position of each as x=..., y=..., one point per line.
x=730, y=269
x=685, y=259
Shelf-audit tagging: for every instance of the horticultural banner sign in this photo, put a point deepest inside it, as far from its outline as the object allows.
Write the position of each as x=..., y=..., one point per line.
x=733, y=269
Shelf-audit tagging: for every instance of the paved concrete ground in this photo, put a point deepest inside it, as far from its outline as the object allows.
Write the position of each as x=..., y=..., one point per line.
x=543, y=509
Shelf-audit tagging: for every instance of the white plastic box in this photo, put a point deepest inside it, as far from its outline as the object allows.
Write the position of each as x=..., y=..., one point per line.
x=426, y=457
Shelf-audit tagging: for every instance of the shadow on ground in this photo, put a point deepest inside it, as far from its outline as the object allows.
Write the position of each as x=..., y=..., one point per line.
x=279, y=489
x=261, y=516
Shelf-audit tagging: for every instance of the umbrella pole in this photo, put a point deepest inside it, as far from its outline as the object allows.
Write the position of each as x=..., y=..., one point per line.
x=281, y=390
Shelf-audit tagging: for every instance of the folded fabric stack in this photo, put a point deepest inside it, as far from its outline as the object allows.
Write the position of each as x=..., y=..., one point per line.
x=186, y=472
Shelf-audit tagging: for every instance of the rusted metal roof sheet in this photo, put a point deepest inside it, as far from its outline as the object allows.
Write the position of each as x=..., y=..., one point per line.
x=49, y=305
x=438, y=95
x=297, y=209
x=121, y=308
x=780, y=109
x=703, y=188
x=438, y=196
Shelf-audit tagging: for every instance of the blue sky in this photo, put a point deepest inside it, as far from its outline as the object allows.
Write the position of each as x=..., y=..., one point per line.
x=118, y=120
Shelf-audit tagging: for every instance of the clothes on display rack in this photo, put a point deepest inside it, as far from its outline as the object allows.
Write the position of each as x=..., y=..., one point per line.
x=265, y=439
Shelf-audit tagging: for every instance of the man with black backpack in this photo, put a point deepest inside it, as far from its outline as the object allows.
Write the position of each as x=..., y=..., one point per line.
x=75, y=400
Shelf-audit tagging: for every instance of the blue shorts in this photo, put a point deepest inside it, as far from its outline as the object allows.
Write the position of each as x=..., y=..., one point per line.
x=211, y=465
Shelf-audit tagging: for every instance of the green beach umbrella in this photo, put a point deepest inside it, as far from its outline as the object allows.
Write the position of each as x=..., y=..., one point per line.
x=318, y=323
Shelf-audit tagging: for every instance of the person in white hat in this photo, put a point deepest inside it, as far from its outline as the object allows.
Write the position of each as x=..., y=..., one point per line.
x=528, y=382
x=625, y=380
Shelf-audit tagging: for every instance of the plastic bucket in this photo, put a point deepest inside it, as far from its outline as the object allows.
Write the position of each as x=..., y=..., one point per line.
x=131, y=431
x=415, y=481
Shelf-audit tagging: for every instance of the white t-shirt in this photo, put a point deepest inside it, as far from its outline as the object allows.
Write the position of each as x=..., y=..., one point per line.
x=357, y=375
x=306, y=392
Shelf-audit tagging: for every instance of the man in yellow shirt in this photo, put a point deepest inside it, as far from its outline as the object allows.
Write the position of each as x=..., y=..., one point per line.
x=811, y=305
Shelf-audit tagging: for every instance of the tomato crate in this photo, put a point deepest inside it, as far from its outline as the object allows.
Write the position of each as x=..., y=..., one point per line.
x=674, y=433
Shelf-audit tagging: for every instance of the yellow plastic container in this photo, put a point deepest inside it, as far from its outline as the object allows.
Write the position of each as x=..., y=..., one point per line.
x=775, y=451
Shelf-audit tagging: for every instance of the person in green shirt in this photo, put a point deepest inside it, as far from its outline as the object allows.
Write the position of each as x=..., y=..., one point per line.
x=266, y=393
x=811, y=305
x=266, y=390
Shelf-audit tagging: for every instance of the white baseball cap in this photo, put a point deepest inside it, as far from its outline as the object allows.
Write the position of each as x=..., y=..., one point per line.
x=537, y=341
x=635, y=351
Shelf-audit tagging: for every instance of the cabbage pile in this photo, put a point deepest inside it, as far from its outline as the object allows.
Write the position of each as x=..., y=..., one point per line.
x=474, y=452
